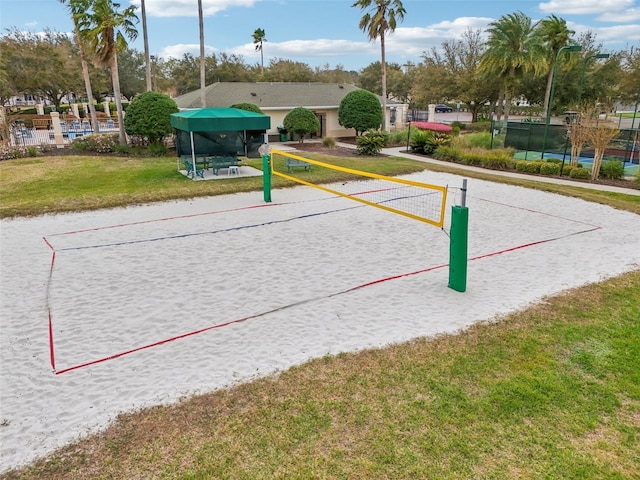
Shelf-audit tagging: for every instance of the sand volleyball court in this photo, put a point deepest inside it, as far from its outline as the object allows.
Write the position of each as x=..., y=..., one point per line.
x=114, y=310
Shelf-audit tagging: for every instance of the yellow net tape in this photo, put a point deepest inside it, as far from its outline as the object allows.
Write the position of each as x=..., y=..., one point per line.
x=420, y=201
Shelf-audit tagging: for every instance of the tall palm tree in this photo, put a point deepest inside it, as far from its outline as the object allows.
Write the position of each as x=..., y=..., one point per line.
x=145, y=37
x=554, y=35
x=203, y=84
x=376, y=24
x=258, y=38
x=104, y=28
x=512, y=51
x=74, y=7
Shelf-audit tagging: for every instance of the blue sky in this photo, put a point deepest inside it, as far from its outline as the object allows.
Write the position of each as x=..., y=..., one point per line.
x=321, y=32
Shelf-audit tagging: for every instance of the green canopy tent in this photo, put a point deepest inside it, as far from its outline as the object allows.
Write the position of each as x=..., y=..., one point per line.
x=218, y=131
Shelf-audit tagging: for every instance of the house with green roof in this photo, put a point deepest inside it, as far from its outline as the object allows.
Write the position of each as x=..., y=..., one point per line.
x=277, y=99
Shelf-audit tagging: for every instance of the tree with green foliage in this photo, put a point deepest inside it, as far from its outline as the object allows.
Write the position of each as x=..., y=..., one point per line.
x=258, y=39
x=105, y=29
x=302, y=121
x=512, y=51
x=249, y=107
x=360, y=109
x=554, y=35
x=376, y=24
x=149, y=116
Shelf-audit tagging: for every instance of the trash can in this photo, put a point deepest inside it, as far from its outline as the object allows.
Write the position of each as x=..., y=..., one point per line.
x=283, y=133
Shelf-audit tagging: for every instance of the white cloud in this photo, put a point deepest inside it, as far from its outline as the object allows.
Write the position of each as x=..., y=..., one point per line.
x=321, y=47
x=189, y=8
x=588, y=7
x=178, y=50
x=630, y=15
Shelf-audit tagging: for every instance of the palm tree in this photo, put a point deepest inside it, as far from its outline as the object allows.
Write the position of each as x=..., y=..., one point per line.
x=145, y=37
x=203, y=84
x=512, y=51
x=104, y=28
x=74, y=7
x=258, y=38
x=554, y=35
x=377, y=23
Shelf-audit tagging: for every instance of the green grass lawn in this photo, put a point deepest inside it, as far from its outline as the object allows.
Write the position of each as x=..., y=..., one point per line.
x=549, y=392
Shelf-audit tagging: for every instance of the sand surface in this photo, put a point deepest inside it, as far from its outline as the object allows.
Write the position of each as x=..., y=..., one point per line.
x=267, y=285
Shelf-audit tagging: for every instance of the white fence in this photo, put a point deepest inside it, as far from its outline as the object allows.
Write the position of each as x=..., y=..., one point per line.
x=59, y=133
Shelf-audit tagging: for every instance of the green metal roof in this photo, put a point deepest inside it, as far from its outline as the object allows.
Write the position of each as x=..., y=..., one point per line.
x=219, y=120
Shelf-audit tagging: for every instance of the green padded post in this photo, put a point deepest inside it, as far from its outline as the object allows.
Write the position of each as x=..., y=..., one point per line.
x=266, y=177
x=458, y=247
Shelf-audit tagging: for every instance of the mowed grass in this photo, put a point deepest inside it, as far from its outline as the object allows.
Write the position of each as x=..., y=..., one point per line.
x=549, y=392
x=33, y=186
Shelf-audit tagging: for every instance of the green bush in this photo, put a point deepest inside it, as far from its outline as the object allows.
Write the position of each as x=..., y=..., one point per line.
x=554, y=160
x=447, y=153
x=421, y=141
x=301, y=121
x=566, y=170
x=478, y=140
x=612, y=169
x=148, y=117
x=249, y=107
x=328, y=142
x=580, y=173
x=529, y=167
x=157, y=149
x=498, y=161
x=370, y=142
x=458, y=125
x=481, y=126
x=550, y=168
x=361, y=110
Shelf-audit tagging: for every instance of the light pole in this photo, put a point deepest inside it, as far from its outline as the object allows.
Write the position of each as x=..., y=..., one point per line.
x=584, y=69
x=568, y=48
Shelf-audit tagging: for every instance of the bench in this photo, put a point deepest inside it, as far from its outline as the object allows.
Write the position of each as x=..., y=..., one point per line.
x=41, y=123
x=218, y=162
x=293, y=163
x=188, y=165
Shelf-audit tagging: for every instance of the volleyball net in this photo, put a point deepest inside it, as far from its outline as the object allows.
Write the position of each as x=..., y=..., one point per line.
x=416, y=200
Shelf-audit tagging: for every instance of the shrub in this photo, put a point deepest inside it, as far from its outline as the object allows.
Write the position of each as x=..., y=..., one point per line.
x=249, y=107
x=103, y=143
x=480, y=126
x=529, y=167
x=550, y=168
x=580, y=173
x=612, y=169
x=419, y=141
x=10, y=152
x=370, y=142
x=447, y=153
x=329, y=142
x=148, y=116
x=566, y=170
x=157, y=149
x=458, y=125
x=361, y=110
x=302, y=121
x=498, y=161
x=554, y=160
x=478, y=139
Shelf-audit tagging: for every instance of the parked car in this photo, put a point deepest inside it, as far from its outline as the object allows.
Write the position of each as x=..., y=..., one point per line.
x=442, y=108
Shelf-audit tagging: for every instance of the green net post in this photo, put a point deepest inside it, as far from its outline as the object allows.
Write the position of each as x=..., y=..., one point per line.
x=266, y=177
x=458, y=244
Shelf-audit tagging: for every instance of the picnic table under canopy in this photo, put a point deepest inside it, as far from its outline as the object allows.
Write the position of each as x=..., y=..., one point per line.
x=219, y=131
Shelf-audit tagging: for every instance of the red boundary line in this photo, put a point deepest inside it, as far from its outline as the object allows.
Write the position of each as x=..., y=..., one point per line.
x=240, y=320
x=231, y=322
